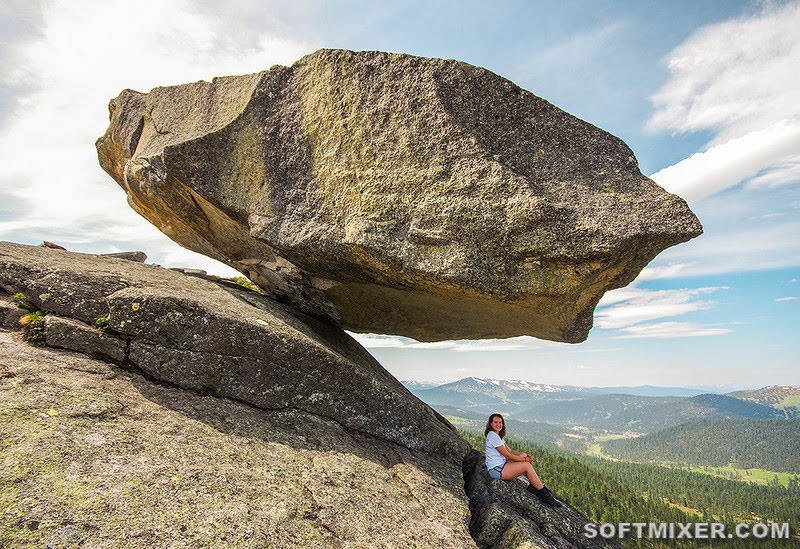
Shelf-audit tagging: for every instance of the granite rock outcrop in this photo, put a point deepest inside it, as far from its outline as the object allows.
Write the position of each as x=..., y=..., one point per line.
x=396, y=194
x=219, y=338
x=184, y=410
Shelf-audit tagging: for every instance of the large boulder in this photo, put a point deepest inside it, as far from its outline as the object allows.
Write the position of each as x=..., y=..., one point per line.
x=396, y=194
x=93, y=455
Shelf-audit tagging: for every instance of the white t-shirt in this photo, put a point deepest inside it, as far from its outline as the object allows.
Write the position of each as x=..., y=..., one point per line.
x=493, y=457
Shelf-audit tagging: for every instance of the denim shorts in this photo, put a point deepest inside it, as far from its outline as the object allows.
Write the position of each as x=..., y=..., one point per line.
x=496, y=472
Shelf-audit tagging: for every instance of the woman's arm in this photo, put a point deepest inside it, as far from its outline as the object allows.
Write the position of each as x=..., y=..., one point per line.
x=512, y=456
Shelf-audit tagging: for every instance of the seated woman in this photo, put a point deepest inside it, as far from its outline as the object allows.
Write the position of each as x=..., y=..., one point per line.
x=506, y=464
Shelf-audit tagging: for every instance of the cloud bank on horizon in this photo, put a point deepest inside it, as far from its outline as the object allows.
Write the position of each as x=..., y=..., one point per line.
x=734, y=82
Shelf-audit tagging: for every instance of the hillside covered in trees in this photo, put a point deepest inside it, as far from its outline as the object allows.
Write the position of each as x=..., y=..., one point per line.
x=782, y=397
x=644, y=414
x=772, y=444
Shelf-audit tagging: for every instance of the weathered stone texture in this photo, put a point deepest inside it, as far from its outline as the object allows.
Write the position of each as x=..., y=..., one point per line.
x=224, y=339
x=231, y=421
x=396, y=194
x=10, y=313
x=74, y=335
x=96, y=456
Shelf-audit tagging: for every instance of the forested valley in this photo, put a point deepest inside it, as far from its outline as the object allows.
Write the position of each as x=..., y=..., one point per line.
x=772, y=444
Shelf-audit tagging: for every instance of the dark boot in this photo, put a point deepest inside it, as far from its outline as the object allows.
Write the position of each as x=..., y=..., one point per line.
x=544, y=496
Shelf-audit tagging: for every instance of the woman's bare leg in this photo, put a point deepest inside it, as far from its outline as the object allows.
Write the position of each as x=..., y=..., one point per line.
x=513, y=469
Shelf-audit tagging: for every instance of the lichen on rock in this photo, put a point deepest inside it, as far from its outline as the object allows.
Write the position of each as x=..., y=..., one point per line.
x=223, y=419
x=396, y=194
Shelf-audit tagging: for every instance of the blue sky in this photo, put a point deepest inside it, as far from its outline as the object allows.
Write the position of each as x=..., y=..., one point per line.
x=707, y=94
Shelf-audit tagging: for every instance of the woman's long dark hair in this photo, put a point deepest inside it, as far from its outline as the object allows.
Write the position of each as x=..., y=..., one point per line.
x=502, y=432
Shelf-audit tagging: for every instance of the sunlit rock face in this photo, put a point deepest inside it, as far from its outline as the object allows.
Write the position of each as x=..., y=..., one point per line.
x=396, y=194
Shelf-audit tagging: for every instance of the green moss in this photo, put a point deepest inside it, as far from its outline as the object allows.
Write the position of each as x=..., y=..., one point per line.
x=33, y=327
x=244, y=282
x=22, y=302
x=244, y=173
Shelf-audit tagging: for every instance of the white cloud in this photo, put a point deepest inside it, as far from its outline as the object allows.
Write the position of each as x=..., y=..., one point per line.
x=606, y=350
x=377, y=341
x=738, y=247
x=621, y=309
x=626, y=307
x=521, y=343
x=734, y=77
x=663, y=330
x=84, y=54
x=782, y=173
x=790, y=298
x=579, y=49
x=670, y=270
x=725, y=165
x=739, y=80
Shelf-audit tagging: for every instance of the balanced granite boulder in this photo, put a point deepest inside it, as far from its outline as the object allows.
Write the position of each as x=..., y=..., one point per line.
x=396, y=194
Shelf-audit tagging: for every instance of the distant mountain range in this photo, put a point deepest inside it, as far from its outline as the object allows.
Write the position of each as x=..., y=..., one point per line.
x=647, y=390
x=643, y=414
x=640, y=409
x=485, y=396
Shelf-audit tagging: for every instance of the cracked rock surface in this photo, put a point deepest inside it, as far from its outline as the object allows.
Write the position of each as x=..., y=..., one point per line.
x=93, y=455
x=396, y=194
x=221, y=419
x=222, y=339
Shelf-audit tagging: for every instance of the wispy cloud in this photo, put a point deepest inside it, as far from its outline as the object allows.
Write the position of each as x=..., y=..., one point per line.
x=737, y=79
x=770, y=243
x=581, y=48
x=670, y=270
x=378, y=341
x=627, y=310
x=522, y=343
x=782, y=173
x=664, y=330
x=734, y=77
x=727, y=164
x=790, y=298
x=84, y=54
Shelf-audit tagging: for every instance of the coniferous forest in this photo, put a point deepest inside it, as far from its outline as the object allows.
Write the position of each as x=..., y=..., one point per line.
x=617, y=492
x=771, y=444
